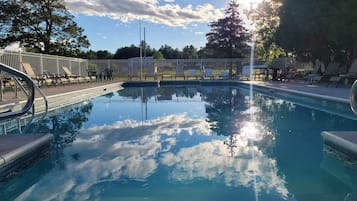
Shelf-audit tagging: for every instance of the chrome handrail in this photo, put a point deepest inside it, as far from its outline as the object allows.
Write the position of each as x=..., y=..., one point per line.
x=353, y=97
x=30, y=93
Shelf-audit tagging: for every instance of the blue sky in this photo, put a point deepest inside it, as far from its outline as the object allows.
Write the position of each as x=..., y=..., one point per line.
x=111, y=24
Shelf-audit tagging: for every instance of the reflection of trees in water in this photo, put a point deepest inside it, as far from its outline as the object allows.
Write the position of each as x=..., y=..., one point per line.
x=146, y=93
x=63, y=126
x=224, y=105
x=224, y=112
x=143, y=93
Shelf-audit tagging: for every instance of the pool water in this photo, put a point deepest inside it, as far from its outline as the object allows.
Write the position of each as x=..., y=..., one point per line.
x=187, y=143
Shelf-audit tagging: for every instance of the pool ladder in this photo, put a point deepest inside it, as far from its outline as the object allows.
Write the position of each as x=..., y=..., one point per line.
x=20, y=78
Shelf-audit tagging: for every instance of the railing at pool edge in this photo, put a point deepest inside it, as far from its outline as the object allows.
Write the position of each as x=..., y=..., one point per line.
x=30, y=96
x=353, y=97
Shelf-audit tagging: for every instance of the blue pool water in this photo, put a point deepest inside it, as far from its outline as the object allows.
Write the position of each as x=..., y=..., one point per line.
x=187, y=143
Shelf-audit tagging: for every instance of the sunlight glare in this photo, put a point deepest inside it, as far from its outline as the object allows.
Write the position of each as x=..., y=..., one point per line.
x=249, y=4
x=251, y=131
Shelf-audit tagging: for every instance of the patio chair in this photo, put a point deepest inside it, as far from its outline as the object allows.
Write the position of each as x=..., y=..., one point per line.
x=39, y=80
x=133, y=72
x=318, y=70
x=74, y=78
x=351, y=74
x=6, y=81
x=288, y=74
x=180, y=72
x=192, y=73
x=223, y=75
x=331, y=70
x=208, y=72
x=151, y=72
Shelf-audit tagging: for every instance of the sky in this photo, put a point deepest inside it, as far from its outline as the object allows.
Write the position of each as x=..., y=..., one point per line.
x=112, y=24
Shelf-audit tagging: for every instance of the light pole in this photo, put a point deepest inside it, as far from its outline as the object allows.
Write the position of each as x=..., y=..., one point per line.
x=141, y=53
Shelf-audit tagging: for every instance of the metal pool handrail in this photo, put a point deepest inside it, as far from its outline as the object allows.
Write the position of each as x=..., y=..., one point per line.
x=30, y=96
x=353, y=97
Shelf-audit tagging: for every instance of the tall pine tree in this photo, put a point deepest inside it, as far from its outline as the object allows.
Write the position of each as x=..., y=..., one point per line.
x=228, y=37
x=41, y=26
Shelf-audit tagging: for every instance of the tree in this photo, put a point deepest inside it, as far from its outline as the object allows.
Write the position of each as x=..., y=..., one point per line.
x=127, y=52
x=265, y=21
x=303, y=29
x=158, y=55
x=41, y=26
x=319, y=29
x=103, y=54
x=228, y=37
x=189, y=52
x=169, y=52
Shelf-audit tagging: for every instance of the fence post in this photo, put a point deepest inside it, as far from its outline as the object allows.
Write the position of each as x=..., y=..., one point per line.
x=57, y=64
x=20, y=60
x=41, y=64
x=79, y=67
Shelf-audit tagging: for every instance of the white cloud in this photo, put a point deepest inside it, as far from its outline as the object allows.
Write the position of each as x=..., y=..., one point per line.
x=211, y=161
x=125, y=149
x=169, y=13
x=134, y=150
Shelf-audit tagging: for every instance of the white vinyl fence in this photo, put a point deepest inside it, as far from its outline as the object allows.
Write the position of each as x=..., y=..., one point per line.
x=123, y=68
x=42, y=63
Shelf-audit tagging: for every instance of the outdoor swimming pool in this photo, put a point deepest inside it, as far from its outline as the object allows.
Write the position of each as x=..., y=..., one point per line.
x=187, y=143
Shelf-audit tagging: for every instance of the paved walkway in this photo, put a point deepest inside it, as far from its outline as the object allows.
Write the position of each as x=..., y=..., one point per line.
x=9, y=96
x=317, y=89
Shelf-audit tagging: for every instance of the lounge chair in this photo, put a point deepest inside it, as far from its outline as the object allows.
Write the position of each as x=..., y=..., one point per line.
x=74, y=78
x=180, y=72
x=192, y=73
x=351, y=74
x=6, y=81
x=288, y=74
x=151, y=72
x=208, y=72
x=223, y=75
x=39, y=80
x=133, y=72
x=331, y=70
x=318, y=70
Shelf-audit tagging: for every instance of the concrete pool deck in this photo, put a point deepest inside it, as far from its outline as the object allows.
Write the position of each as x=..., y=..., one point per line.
x=323, y=90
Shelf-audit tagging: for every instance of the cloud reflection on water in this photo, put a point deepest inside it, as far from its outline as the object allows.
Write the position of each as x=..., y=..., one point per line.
x=133, y=150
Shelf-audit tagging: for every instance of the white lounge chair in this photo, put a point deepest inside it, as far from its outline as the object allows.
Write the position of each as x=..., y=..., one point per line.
x=151, y=72
x=39, y=79
x=74, y=78
x=331, y=70
x=208, y=72
x=351, y=74
x=180, y=72
x=192, y=73
x=223, y=75
x=133, y=72
x=318, y=70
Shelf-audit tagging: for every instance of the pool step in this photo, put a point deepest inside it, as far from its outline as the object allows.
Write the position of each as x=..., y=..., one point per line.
x=342, y=141
x=17, y=150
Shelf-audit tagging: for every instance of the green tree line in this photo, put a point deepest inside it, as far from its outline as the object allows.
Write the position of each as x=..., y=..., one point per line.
x=165, y=51
x=306, y=29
